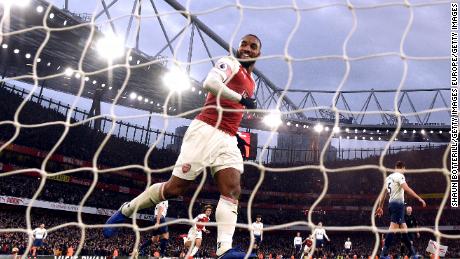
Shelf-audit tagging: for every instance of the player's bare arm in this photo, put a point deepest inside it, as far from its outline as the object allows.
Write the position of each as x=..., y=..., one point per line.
x=411, y=192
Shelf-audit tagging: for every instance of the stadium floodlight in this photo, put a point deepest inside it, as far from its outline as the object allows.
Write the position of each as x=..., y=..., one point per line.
x=326, y=128
x=16, y=51
x=431, y=131
x=273, y=119
x=146, y=100
x=414, y=131
x=304, y=126
x=103, y=85
x=151, y=102
x=356, y=137
x=296, y=125
x=405, y=131
x=440, y=132
x=68, y=71
x=40, y=9
x=318, y=128
x=77, y=75
x=65, y=23
x=110, y=47
x=364, y=138
x=288, y=123
x=39, y=60
x=94, y=82
x=372, y=138
x=176, y=80
x=378, y=131
x=348, y=137
x=51, y=15
x=199, y=92
x=4, y=46
x=139, y=98
x=364, y=130
x=356, y=130
x=336, y=129
x=380, y=138
x=193, y=89
x=28, y=55
x=48, y=64
x=347, y=130
x=110, y=88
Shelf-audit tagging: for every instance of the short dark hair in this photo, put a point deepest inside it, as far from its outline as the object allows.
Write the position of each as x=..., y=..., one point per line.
x=259, y=216
x=258, y=39
x=400, y=165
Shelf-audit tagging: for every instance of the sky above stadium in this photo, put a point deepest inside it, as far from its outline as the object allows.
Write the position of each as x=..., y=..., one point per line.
x=313, y=32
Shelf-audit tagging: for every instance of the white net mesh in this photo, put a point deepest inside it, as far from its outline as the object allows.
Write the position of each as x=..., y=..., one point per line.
x=238, y=19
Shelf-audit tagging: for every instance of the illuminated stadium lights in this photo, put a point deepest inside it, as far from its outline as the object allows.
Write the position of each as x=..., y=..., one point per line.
x=388, y=131
x=103, y=85
x=364, y=138
x=158, y=104
x=151, y=102
x=39, y=60
x=110, y=47
x=139, y=98
x=16, y=51
x=380, y=138
x=348, y=137
x=110, y=88
x=288, y=123
x=336, y=129
x=372, y=138
x=273, y=119
x=318, y=128
x=133, y=96
x=130, y=58
x=347, y=130
x=356, y=130
x=356, y=137
x=378, y=131
x=68, y=71
x=176, y=80
x=193, y=89
x=40, y=9
x=77, y=75
x=146, y=100
x=326, y=129
x=94, y=82
x=86, y=78
x=199, y=92
x=304, y=126
x=431, y=131
x=4, y=46
x=65, y=23
x=296, y=125
x=138, y=62
x=414, y=131
x=28, y=55
x=405, y=131
x=364, y=130
x=51, y=15
x=440, y=132
x=422, y=131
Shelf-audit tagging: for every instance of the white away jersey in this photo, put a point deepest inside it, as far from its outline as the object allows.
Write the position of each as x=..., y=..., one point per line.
x=347, y=245
x=40, y=233
x=163, y=204
x=297, y=241
x=257, y=228
x=320, y=233
x=393, y=184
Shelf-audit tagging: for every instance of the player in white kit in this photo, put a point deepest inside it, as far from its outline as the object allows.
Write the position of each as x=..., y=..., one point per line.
x=347, y=247
x=297, y=244
x=257, y=231
x=195, y=233
x=160, y=233
x=395, y=185
x=320, y=234
x=39, y=234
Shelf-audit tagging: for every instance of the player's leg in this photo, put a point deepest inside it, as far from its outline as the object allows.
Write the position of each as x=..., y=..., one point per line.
x=164, y=241
x=389, y=239
x=228, y=183
x=196, y=247
x=406, y=240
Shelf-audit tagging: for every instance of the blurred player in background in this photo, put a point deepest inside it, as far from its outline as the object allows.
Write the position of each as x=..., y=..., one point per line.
x=195, y=234
x=347, y=246
x=396, y=184
x=160, y=233
x=257, y=231
x=411, y=222
x=297, y=244
x=308, y=242
x=320, y=233
x=210, y=141
x=39, y=234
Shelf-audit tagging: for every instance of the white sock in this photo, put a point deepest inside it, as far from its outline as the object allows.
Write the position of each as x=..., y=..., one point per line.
x=194, y=250
x=185, y=240
x=147, y=199
x=226, y=214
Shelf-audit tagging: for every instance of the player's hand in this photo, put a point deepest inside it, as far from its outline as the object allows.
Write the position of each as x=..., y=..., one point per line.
x=249, y=103
x=379, y=212
x=422, y=202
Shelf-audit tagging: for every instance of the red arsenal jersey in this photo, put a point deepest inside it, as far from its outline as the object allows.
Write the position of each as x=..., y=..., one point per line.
x=237, y=79
x=200, y=219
